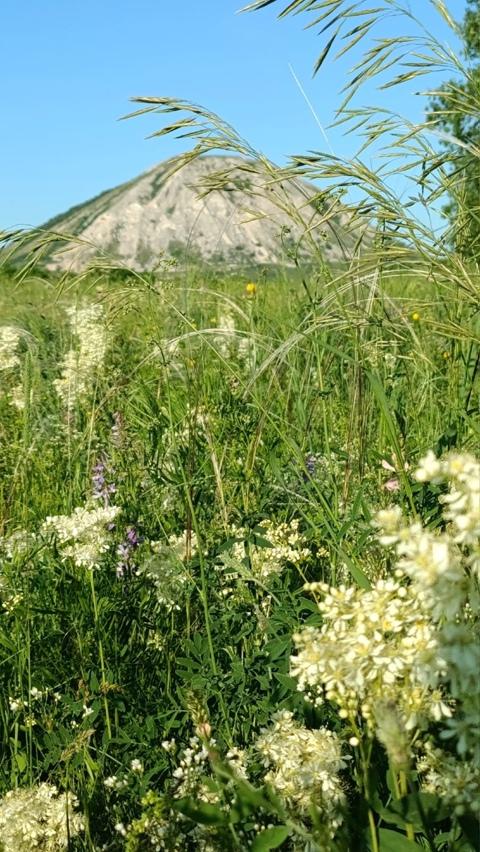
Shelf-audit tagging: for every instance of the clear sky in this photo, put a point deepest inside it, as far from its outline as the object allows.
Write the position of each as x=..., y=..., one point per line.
x=68, y=68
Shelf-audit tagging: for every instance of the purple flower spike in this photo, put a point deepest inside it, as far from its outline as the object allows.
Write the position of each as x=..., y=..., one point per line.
x=125, y=551
x=102, y=486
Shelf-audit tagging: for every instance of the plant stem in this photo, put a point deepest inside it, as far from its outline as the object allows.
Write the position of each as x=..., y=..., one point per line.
x=101, y=655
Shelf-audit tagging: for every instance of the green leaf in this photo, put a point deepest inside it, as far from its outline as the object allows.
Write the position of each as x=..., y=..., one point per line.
x=21, y=761
x=391, y=841
x=271, y=838
x=203, y=813
x=286, y=681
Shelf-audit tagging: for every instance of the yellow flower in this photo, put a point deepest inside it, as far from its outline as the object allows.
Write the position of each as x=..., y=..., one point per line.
x=416, y=316
x=251, y=288
x=446, y=355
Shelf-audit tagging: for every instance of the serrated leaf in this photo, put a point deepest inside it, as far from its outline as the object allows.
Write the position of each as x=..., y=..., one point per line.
x=271, y=838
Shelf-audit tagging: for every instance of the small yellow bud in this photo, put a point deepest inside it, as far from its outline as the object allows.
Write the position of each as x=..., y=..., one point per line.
x=446, y=355
x=416, y=316
x=250, y=288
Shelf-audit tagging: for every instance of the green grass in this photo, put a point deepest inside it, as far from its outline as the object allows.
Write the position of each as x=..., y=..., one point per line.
x=208, y=439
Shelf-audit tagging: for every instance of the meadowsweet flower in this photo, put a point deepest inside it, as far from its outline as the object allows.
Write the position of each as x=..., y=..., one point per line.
x=303, y=766
x=38, y=818
x=456, y=782
x=113, y=782
x=429, y=469
x=83, y=536
x=167, y=568
x=9, y=339
x=231, y=341
x=81, y=364
x=17, y=544
x=276, y=545
x=373, y=645
x=18, y=398
x=136, y=766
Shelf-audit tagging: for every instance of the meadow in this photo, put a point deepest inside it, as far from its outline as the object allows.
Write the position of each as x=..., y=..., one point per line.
x=239, y=534
x=179, y=463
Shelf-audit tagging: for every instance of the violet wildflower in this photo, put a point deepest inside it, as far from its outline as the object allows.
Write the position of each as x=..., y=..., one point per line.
x=125, y=552
x=102, y=485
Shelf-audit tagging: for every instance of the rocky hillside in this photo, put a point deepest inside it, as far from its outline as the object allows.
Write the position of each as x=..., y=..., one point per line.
x=166, y=213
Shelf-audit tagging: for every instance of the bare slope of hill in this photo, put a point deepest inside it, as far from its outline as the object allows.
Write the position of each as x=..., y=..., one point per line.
x=163, y=213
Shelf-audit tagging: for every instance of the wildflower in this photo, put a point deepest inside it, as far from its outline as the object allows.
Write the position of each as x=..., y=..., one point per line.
x=276, y=545
x=373, y=645
x=80, y=365
x=136, y=766
x=446, y=355
x=113, y=782
x=35, y=693
x=38, y=818
x=166, y=568
x=251, y=289
x=416, y=316
x=456, y=782
x=303, y=766
x=392, y=484
x=9, y=340
x=83, y=535
x=429, y=469
x=125, y=552
x=18, y=398
x=102, y=485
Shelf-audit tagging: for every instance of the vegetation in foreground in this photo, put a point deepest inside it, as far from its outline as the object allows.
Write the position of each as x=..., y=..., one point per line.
x=238, y=609
x=240, y=531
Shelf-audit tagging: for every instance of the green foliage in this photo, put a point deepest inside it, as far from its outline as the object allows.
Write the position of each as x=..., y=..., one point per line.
x=455, y=110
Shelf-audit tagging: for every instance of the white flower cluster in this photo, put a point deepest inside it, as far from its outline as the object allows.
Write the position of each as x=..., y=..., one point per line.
x=17, y=544
x=80, y=365
x=231, y=341
x=303, y=766
x=456, y=782
x=38, y=818
x=83, y=535
x=9, y=340
x=373, y=645
x=432, y=562
x=193, y=762
x=283, y=544
x=167, y=568
x=462, y=472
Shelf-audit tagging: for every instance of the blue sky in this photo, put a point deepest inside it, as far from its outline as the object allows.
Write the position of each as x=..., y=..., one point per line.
x=68, y=69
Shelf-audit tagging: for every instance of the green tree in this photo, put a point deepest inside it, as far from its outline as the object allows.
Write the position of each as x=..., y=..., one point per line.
x=455, y=110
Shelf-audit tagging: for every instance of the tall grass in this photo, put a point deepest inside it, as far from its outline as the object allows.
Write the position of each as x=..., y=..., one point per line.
x=248, y=435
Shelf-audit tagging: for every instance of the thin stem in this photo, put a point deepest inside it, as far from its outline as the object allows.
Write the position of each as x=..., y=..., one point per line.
x=100, y=653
